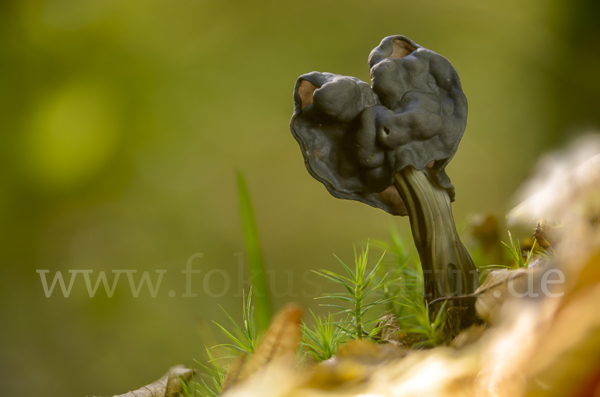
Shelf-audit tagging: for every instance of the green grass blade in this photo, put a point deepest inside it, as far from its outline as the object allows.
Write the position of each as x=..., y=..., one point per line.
x=262, y=295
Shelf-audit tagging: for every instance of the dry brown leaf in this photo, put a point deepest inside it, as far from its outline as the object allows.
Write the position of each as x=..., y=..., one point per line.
x=281, y=340
x=354, y=362
x=567, y=357
x=565, y=186
x=492, y=293
x=497, y=278
x=234, y=370
x=546, y=235
x=453, y=322
x=388, y=327
x=167, y=386
x=498, y=287
x=567, y=361
x=468, y=336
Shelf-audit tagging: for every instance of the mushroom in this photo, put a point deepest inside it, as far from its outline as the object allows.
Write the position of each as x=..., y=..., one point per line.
x=387, y=145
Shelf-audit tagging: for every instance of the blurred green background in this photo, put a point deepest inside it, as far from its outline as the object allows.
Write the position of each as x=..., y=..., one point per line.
x=123, y=121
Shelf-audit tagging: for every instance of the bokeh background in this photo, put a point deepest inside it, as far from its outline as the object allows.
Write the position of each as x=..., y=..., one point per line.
x=122, y=123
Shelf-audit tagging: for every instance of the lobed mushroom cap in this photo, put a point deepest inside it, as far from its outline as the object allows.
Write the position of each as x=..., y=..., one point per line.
x=354, y=137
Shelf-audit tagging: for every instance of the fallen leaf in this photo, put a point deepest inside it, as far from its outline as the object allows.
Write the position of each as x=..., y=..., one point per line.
x=281, y=340
x=355, y=362
x=169, y=385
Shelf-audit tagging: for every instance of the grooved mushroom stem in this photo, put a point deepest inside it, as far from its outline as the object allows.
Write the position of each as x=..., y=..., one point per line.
x=448, y=270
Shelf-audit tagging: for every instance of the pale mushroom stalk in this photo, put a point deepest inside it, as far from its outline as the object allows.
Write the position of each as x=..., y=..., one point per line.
x=448, y=270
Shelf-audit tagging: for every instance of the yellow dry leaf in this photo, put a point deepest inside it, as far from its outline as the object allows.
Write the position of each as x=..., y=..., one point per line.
x=495, y=290
x=167, y=386
x=281, y=341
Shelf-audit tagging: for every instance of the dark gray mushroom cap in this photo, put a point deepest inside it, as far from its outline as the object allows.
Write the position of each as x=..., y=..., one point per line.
x=354, y=138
